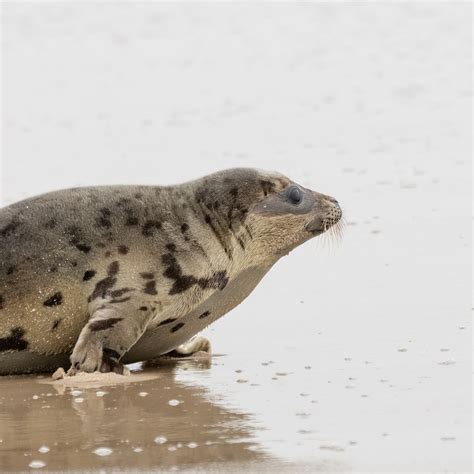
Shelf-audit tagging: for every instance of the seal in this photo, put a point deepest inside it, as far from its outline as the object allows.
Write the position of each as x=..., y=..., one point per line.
x=99, y=277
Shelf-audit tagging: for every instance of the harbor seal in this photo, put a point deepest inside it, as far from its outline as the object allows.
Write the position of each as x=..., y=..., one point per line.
x=98, y=277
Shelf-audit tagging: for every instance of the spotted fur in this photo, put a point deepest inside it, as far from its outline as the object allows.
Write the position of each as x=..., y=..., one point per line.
x=82, y=269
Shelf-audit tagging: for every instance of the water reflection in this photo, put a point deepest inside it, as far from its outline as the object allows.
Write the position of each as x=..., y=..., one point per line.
x=157, y=423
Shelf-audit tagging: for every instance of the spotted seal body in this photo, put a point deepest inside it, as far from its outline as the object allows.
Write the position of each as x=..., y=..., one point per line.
x=108, y=275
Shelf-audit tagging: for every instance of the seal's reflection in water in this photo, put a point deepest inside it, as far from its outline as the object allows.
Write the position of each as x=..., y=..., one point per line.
x=136, y=421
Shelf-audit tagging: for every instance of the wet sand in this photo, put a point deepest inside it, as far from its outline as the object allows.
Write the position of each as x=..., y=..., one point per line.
x=351, y=355
x=147, y=420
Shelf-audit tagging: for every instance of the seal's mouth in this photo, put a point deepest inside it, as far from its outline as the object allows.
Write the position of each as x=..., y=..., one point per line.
x=322, y=224
x=318, y=225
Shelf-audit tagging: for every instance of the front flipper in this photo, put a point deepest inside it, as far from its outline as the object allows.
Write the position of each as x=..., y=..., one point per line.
x=193, y=346
x=110, y=332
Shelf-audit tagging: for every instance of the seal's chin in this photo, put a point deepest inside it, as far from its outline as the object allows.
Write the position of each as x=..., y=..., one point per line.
x=317, y=226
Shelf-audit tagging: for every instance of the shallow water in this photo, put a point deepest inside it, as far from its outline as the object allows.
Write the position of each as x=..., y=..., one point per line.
x=350, y=355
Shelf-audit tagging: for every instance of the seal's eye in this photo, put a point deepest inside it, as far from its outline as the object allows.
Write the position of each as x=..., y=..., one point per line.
x=294, y=195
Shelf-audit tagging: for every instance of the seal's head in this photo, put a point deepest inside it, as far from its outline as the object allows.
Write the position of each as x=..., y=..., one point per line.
x=277, y=213
x=291, y=214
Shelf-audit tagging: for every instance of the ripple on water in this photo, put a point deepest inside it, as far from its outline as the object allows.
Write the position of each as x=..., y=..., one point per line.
x=103, y=451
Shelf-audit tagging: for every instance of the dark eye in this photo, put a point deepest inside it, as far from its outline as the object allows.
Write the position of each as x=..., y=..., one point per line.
x=294, y=195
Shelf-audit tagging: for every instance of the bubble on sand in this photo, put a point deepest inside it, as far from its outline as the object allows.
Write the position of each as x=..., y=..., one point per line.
x=160, y=440
x=174, y=403
x=103, y=451
x=100, y=393
x=137, y=450
x=76, y=393
x=36, y=464
x=331, y=448
x=192, y=445
x=35, y=397
x=78, y=400
x=172, y=448
x=447, y=362
x=143, y=394
x=43, y=449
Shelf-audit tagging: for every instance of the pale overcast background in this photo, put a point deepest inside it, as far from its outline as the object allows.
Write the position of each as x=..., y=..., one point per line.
x=369, y=102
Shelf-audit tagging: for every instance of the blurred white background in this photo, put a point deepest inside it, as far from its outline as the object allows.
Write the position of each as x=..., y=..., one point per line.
x=368, y=102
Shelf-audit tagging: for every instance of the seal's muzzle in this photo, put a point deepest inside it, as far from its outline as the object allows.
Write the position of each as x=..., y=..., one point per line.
x=328, y=213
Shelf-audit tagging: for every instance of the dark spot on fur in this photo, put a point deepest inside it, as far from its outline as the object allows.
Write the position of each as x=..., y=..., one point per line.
x=113, y=268
x=54, y=300
x=74, y=264
x=149, y=227
x=102, y=324
x=9, y=229
x=123, y=249
x=121, y=300
x=122, y=202
x=83, y=248
x=217, y=280
x=167, y=321
x=53, y=269
x=104, y=285
x=104, y=218
x=143, y=308
x=205, y=314
x=234, y=191
x=131, y=220
x=150, y=288
x=55, y=324
x=171, y=247
x=1, y=301
x=138, y=196
x=75, y=239
x=88, y=275
x=15, y=341
x=184, y=228
x=10, y=270
x=220, y=238
x=120, y=292
x=178, y=326
x=147, y=275
x=267, y=187
x=184, y=282
x=107, y=254
x=51, y=223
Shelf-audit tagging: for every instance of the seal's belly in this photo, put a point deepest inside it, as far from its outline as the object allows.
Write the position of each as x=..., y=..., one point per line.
x=167, y=337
